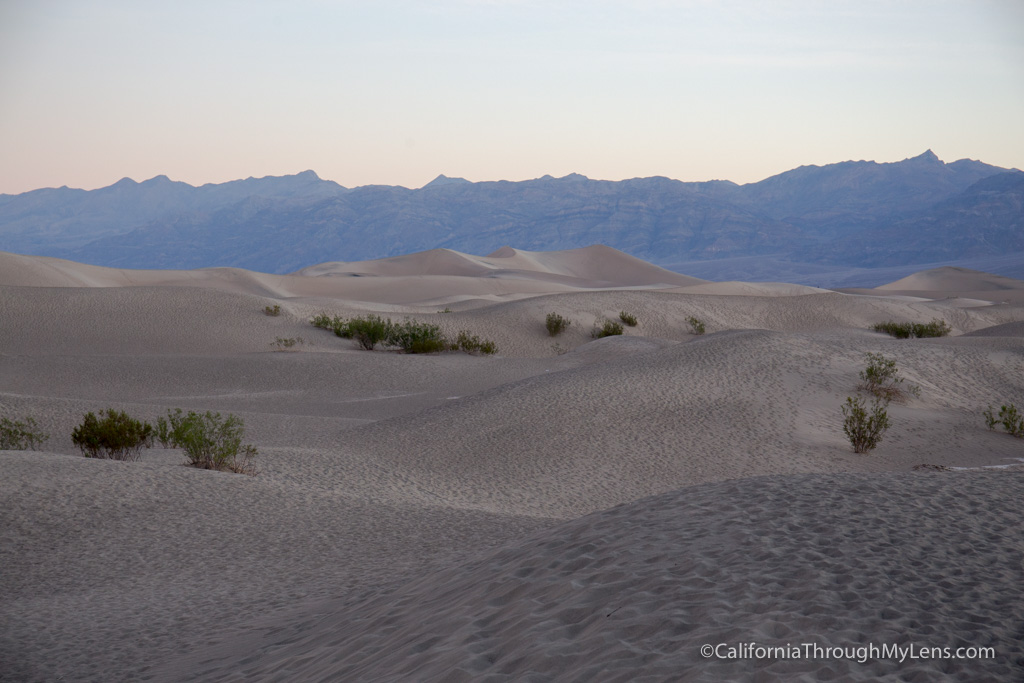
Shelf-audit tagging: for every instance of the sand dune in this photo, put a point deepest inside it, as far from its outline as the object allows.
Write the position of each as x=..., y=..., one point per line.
x=429, y=278
x=954, y=279
x=596, y=264
x=452, y=517
x=632, y=593
x=952, y=282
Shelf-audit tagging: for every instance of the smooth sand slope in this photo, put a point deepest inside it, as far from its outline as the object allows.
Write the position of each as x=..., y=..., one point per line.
x=949, y=282
x=631, y=593
x=453, y=517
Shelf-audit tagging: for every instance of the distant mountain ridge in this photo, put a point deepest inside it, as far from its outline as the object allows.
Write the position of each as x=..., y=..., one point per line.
x=854, y=213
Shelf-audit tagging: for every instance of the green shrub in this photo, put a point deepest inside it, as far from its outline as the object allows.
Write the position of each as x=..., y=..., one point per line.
x=556, y=324
x=210, y=442
x=283, y=343
x=114, y=435
x=323, y=321
x=1009, y=417
x=990, y=420
x=446, y=310
x=473, y=344
x=337, y=324
x=367, y=331
x=609, y=328
x=20, y=435
x=864, y=429
x=898, y=330
x=936, y=328
x=628, y=318
x=415, y=337
x=272, y=311
x=696, y=325
x=881, y=378
x=410, y=336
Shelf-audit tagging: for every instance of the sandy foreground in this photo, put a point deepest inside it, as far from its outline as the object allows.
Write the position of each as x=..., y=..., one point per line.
x=570, y=509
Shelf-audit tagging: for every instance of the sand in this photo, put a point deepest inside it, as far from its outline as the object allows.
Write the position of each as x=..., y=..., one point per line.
x=570, y=509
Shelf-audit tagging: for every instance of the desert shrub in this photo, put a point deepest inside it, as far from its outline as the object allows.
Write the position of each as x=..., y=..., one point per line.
x=337, y=324
x=367, y=331
x=210, y=442
x=1009, y=417
x=447, y=309
x=696, y=325
x=864, y=429
x=473, y=344
x=556, y=324
x=323, y=321
x=936, y=328
x=415, y=337
x=20, y=435
x=163, y=431
x=894, y=329
x=283, y=343
x=272, y=311
x=410, y=336
x=609, y=328
x=628, y=318
x=990, y=420
x=881, y=378
x=114, y=435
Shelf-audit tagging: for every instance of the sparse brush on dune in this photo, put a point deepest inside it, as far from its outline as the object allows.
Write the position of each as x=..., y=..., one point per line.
x=881, y=378
x=1009, y=417
x=20, y=435
x=412, y=336
x=335, y=324
x=696, y=325
x=285, y=343
x=936, y=328
x=556, y=324
x=409, y=336
x=862, y=427
x=471, y=343
x=114, y=435
x=608, y=328
x=368, y=331
x=628, y=318
x=210, y=442
x=272, y=311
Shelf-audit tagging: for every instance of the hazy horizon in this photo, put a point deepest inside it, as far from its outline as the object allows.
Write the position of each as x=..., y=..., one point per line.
x=321, y=176
x=398, y=92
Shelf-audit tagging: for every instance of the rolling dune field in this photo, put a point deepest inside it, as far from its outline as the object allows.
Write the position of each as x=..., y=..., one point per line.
x=569, y=509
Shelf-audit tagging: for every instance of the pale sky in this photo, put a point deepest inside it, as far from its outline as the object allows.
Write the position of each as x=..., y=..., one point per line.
x=396, y=92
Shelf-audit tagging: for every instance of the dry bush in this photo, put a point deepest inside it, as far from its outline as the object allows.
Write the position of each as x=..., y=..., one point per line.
x=210, y=442
x=20, y=435
x=881, y=378
x=556, y=324
x=864, y=429
x=113, y=436
x=936, y=328
x=1009, y=417
x=609, y=328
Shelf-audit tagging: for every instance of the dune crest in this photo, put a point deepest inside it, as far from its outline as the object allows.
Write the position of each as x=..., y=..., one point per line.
x=429, y=277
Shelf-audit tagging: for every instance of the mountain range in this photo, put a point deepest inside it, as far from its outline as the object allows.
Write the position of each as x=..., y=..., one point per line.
x=854, y=214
